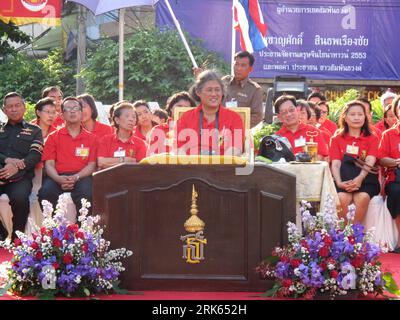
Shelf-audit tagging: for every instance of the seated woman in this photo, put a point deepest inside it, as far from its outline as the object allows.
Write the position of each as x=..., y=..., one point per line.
x=89, y=116
x=389, y=153
x=210, y=129
x=160, y=116
x=145, y=122
x=353, y=140
x=46, y=113
x=122, y=146
x=161, y=136
x=389, y=118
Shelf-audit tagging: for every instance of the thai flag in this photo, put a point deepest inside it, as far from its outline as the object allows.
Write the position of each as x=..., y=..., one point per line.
x=249, y=21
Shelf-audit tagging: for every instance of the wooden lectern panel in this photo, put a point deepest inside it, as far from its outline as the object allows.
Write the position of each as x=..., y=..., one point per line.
x=145, y=208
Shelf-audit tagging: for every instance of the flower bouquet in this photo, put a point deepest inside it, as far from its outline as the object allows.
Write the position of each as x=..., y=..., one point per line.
x=332, y=258
x=62, y=258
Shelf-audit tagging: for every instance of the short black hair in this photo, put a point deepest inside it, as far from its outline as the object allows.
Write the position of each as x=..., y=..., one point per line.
x=47, y=90
x=43, y=102
x=172, y=100
x=12, y=95
x=245, y=54
x=282, y=99
x=316, y=94
x=162, y=114
x=70, y=99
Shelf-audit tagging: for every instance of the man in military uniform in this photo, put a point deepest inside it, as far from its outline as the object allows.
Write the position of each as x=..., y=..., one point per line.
x=21, y=146
x=241, y=91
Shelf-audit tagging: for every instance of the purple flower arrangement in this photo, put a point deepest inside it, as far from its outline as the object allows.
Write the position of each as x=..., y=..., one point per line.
x=64, y=259
x=330, y=257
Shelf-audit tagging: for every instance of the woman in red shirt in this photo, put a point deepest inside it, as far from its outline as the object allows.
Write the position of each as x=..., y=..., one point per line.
x=210, y=129
x=46, y=113
x=145, y=122
x=122, y=146
x=89, y=116
x=389, y=152
x=354, y=140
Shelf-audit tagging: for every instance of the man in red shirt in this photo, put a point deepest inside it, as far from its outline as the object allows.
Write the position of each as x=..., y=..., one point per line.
x=297, y=133
x=70, y=158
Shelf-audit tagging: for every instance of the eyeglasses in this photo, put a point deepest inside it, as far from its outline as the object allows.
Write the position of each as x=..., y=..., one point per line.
x=324, y=112
x=74, y=108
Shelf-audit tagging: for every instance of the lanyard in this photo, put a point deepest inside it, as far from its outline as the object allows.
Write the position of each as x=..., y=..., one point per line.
x=209, y=152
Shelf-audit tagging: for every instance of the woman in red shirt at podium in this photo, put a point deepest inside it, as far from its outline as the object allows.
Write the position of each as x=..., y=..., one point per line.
x=354, y=140
x=122, y=146
x=210, y=129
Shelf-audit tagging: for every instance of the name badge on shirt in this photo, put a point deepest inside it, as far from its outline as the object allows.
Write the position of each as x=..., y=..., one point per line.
x=300, y=142
x=352, y=149
x=119, y=153
x=231, y=104
x=82, y=152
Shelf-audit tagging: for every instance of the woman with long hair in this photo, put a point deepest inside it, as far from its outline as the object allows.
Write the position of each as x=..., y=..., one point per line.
x=353, y=152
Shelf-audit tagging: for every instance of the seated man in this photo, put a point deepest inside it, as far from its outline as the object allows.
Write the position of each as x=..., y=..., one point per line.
x=21, y=147
x=297, y=133
x=70, y=158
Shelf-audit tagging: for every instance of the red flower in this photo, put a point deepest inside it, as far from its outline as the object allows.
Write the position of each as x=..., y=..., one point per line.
x=304, y=244
x=328, y=241
x=351, y=240
x=323, y=265
x=57, y=243
x=17, y=242
x=334, y=274
x=66, y=236
x=285, y=259
x=56, y=265
x=43, y=231
x=39, y=255
x=67, y=258
x=34, y=245
x=73, y=228
x=287, y=283
x=331, y=261
x=34, y=236
x=357, y=261
x=295, y=263
x=80, y=235
x=324, y=252
x=85, y=247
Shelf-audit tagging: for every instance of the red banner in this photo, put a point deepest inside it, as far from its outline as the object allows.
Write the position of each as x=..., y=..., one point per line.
x=31, y=11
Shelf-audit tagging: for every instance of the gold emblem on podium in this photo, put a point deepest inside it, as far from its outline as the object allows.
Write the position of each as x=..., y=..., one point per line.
x=193, y=248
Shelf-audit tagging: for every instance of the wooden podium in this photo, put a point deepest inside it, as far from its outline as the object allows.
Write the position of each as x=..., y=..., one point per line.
x=144, y=208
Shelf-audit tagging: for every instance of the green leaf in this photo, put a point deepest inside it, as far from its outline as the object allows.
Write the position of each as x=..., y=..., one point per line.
x=87, y=292
x=272, y=292
x=390, y=284
x=47, y=295
x=272, y=260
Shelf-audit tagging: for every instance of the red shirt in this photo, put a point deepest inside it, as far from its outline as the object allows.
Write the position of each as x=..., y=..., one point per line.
x=230, y=132
x=138, y=133
x=59, y=122
x=297, y=139
x=390, y=148
x=111, y=146
x=330, y=125
x=100, y=130
x=70, y=154
x=161, y=137
x=356, y=147
x=380, y=125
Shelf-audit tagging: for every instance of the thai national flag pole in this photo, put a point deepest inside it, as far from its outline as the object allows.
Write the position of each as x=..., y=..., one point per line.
x=247, y=18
